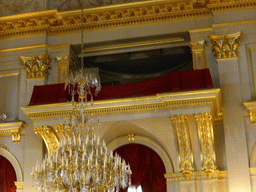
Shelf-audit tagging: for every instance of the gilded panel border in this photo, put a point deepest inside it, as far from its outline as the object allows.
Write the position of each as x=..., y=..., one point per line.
x=164, y=101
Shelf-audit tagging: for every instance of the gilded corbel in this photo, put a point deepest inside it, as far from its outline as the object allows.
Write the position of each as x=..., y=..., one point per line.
x=186, y=160
x=206, y=137
x=49, y=136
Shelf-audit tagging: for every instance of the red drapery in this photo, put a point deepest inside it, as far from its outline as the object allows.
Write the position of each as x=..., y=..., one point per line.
x=175, y=81
x=147, y=167
x=7, y=176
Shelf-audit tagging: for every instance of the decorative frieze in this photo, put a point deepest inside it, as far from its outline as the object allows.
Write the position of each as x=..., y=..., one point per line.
x=198, y=54
x=206, y=137
x=37, y=66
x=186, y=159
x=226, y=46
x=50, y=138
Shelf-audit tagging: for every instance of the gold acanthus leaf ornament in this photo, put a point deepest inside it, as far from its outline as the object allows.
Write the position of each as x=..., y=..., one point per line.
x=49, y=136
x=226, y=46
x=37, y=66
x=206, y=137
x=186, y=160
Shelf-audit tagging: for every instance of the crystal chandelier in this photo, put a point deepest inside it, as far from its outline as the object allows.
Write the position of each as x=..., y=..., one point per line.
x=82, y=161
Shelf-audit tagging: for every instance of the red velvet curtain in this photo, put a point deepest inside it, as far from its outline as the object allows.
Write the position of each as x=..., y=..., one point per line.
x=175, y=81
x=147, y=167
x=7, y=176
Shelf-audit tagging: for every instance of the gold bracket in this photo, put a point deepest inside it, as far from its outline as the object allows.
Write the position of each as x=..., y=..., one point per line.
x=186, y=160
x=49, y=137
x=14, y=129
x=206, y=138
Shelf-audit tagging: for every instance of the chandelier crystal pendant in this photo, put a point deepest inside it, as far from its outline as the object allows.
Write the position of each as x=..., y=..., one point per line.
x=82, y=162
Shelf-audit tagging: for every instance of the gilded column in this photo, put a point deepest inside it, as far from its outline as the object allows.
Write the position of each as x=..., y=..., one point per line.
x=186, y=160
x=227, y=53
x=206, y=138
x=198, y=54
x=63, y=67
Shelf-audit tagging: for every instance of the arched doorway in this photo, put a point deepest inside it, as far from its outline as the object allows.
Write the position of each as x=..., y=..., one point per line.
x=7, y=176
x=147, y=167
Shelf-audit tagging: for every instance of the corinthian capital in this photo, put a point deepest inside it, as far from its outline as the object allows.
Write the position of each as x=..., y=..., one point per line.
x=37, y=66
x=226, y=46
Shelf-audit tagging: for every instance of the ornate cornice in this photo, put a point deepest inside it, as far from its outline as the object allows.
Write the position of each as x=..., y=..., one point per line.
x=53, y=22
x=12, y=128
x=174, y=177
x=160, y=102
x=231, y=5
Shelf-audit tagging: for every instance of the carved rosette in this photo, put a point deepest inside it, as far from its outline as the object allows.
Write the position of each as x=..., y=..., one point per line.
x=206, y=138
x=198, y=53
x=37, y=66
x=226, y=46
x=186, y=160
x=50, y=138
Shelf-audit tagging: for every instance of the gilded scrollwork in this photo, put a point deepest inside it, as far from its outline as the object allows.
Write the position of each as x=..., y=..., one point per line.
x=37, y=66
x=226, y=46
x=49, y=136
x=205, y=132
x=186, y=160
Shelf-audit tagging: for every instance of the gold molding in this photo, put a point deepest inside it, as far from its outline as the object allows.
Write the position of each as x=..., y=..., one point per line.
x=206, y=138
x=174, y=177
x=251, y=107
x=14, y=129
x=226, y=46
x=9, y=74
x=4, y=147
x=131, y=45
x=14, y=163
x=37, y=66
x=163, y=101
x=50, y=138
x=231, y=6
x=186, y=159
x=198, y=54
x=52, y=22
x=19, y=185
x=23, y=48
